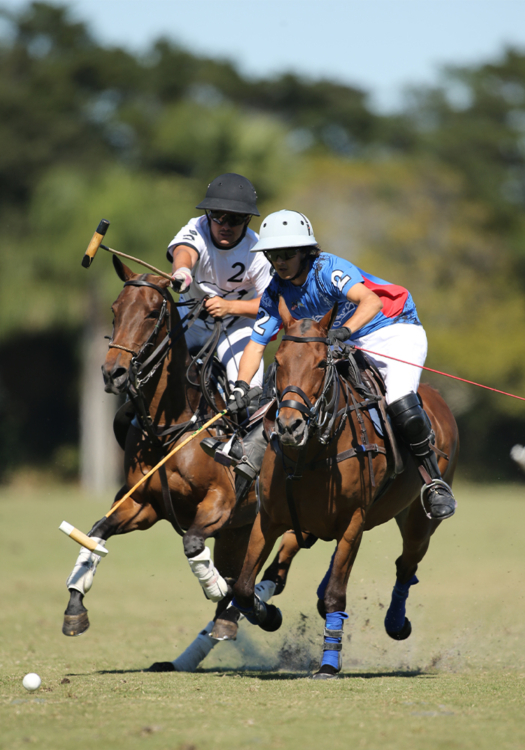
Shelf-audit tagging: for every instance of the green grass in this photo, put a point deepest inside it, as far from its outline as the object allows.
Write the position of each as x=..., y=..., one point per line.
x=457, y=682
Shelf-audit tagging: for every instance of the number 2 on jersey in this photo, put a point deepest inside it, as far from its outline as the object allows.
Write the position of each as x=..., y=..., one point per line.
x=237, y=277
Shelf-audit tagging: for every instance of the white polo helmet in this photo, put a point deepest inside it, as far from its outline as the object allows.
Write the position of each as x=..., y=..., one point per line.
x=284, y=229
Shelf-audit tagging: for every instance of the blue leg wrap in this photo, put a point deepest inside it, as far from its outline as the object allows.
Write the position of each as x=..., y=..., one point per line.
x=333, y=636
x=324, y=583
x=395, y=616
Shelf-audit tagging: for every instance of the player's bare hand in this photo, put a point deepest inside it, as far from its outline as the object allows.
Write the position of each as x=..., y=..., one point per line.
x=218, y=307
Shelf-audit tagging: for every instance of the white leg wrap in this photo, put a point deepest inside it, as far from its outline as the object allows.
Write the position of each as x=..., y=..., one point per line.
x=214, y=585
x=190, y=659
x=265, y=590
x=81, y=578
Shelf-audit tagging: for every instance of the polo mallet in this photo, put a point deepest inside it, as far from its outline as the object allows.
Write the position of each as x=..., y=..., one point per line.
x=96, y=242
x=91, y=544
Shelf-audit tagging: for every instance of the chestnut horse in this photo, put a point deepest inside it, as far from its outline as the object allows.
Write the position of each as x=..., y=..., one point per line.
x=342, y=484
x=148, y=360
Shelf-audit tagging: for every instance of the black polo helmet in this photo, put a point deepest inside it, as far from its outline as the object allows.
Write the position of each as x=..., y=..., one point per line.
x=231, y=192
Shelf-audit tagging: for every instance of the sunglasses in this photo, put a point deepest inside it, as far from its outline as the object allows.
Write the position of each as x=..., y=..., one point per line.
x=220, y=218
x=272, y=255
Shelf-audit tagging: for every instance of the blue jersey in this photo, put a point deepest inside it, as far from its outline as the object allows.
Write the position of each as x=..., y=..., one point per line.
x=329, y=280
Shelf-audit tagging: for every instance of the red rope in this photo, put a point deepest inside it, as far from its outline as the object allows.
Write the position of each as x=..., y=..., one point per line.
x=455, y=377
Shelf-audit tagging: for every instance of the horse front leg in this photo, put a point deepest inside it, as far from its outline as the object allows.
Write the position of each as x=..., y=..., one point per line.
x=129, y=516
x=278, y=570
x=416, y=530
x=246, y=599
x=334, y=597
x=272, y=584
x=212, y=513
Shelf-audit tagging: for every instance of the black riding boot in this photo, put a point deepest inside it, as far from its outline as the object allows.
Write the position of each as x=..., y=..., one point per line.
x=413, y=425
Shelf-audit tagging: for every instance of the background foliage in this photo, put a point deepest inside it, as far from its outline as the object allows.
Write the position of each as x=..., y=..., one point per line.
x=432, y=198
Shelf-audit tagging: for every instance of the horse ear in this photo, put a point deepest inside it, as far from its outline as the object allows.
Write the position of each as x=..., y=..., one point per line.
x=123, y=272
x=285, y=314
x=327, y=321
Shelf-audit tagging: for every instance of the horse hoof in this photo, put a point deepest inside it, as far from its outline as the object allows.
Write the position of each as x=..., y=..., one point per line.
x=224, y=630
x=273, y=619
x=75, y=624
x=326, y=672
x=402, y=634
x=161, y=666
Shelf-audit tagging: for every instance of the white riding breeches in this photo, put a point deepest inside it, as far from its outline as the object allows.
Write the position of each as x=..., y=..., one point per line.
x=231, y=345
x=404, y=341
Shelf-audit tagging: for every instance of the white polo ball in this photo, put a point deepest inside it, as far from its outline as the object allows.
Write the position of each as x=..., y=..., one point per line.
x=31, y=681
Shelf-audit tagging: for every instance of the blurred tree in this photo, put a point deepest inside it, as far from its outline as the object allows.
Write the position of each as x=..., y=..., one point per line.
x=412, y=222
x=431, y=198
x=475, y=122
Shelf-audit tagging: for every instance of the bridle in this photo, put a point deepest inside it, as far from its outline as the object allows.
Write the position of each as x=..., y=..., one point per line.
x=143, y=366
x=137, y=366
x=145, y=363
x=320, y=416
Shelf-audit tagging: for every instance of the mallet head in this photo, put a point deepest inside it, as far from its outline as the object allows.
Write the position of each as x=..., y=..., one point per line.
x=95, y=243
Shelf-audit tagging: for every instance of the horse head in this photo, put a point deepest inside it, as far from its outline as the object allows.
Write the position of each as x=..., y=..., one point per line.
x=140, y=312
x=302, y=361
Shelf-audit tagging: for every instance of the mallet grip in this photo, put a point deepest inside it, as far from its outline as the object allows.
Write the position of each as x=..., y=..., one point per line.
x=83, y=539
x=95, y=243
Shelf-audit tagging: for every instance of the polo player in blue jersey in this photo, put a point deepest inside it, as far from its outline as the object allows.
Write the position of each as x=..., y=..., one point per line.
x=372, y=313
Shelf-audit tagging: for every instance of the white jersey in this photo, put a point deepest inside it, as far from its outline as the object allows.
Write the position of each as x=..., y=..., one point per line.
x=234, y=273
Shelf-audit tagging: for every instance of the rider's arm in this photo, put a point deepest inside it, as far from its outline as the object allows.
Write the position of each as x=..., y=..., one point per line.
x=219, y=307
x=250, y=361
x=184, y=256
x=368, y=305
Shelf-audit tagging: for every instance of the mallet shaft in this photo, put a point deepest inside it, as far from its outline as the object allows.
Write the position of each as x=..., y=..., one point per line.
x=163, y=461
x=137, y=260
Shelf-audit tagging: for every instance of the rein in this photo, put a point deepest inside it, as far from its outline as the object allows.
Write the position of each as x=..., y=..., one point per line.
x=321, y=418
x=144, y=365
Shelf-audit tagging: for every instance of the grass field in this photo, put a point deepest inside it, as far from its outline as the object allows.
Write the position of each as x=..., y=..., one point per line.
x=457, y=682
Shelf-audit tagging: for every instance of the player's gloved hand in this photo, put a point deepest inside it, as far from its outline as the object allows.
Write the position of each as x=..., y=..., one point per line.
x=339, y=335
x=181, y=280
x=239, y=398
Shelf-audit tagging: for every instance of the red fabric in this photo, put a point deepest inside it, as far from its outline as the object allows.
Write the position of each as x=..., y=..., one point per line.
x=392, y=296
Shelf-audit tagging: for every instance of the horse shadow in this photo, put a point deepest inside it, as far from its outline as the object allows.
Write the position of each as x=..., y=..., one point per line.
x=253, y=672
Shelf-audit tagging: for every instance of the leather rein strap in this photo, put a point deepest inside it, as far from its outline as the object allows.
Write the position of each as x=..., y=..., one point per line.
x=366, y=449
x=137, y=369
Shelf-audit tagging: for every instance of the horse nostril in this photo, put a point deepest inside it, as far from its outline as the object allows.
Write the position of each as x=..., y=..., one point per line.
x=297, y=428
x=118, y=372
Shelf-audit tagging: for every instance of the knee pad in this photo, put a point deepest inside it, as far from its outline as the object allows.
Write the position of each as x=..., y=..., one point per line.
x=410, y=419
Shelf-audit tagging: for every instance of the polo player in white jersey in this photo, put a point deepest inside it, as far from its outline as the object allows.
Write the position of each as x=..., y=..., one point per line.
x=211, y=257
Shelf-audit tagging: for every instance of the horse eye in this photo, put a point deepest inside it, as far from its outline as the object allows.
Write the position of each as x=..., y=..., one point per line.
x=322, y=364
x=154, y=314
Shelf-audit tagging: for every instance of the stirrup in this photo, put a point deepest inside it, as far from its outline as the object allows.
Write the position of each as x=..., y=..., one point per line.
x=426, y=489
x=225, y=455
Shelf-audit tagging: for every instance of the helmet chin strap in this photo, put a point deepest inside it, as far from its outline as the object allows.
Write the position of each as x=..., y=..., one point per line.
x=234, y=244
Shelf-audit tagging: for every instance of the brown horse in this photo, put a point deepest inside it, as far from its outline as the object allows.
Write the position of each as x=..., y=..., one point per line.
x=341, y=482
x=148, y=360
